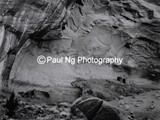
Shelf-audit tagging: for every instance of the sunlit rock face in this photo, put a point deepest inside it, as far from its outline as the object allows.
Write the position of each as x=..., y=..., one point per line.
x=99, y=28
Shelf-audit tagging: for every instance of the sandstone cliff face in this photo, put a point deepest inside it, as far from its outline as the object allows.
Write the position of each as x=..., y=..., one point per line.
x=23, y=19
x=100, y=28
x=128, y=29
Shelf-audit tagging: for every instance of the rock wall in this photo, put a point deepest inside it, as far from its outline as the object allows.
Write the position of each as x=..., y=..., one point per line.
x=99, y=28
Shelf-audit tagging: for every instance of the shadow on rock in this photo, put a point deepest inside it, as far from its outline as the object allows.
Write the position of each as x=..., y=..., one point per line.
x=97, y=109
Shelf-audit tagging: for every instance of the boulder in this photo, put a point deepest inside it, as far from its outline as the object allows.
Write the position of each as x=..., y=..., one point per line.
x=97, y=109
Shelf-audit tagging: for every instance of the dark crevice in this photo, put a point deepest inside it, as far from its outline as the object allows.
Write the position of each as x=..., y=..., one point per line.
x=79, y=2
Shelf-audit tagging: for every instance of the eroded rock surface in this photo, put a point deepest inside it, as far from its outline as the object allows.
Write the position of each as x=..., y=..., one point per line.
x=130, y=101
x=99, y=28
x=126, y=29
x=96, y=28
x=144, y=106
x=109, y=90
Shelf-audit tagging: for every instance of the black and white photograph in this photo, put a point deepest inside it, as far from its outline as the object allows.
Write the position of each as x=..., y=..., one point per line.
x=79, y=59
